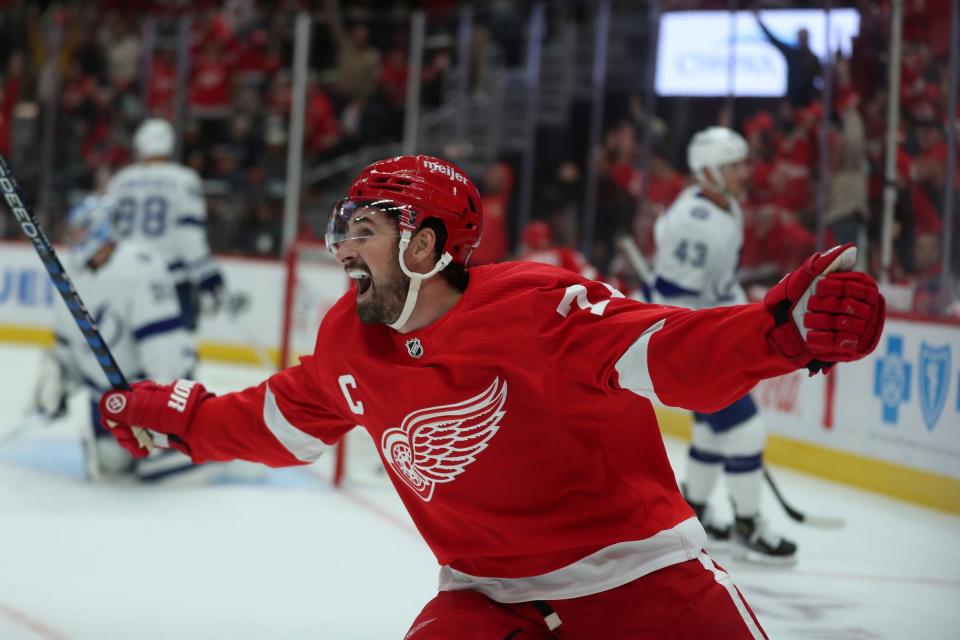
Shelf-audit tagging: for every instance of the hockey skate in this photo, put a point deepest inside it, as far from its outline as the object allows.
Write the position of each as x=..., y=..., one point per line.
x=166, y=465
x=718, y=533
x=752, y=541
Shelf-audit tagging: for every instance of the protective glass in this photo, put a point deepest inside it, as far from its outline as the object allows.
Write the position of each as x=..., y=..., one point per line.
x=360, y=220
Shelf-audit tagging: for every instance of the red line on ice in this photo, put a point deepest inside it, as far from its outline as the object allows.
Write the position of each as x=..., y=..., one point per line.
x=26, y=621
x=370, y=506
x=381, y=512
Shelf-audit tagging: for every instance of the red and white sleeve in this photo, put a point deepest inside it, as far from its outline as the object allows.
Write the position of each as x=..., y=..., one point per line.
x=286, y=420
x=701, y=360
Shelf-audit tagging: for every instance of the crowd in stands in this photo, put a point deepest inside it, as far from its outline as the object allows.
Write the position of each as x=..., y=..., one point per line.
x=97, y=65
x=103, y=72
x=782, y=208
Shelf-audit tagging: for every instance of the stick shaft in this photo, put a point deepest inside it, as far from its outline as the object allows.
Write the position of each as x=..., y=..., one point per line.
x=30, y=226
x=636, y=259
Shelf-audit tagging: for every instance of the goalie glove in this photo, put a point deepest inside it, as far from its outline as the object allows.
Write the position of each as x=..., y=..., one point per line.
x=166, y=410
x=824, y=312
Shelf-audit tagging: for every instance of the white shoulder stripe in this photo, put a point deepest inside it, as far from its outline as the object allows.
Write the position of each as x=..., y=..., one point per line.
x=301, y=445
x=634, y=366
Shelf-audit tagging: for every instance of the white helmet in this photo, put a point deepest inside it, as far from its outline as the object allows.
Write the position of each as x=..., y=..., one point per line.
x=711, y=149
x=154, y=139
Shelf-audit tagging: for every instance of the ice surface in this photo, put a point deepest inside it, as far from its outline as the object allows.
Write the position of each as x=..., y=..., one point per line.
x=286, y=556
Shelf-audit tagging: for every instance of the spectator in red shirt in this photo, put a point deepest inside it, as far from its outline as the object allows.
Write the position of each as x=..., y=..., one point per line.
x=279, y=94
x=78, y=97
x=928, y=21
x=254, y=61
x=210, y=81
x=759, y=131
x=393, y=76
x=322, y=127
x=665, y=183
x=162, y=84
x=497, y=189
x=538, y=246
x=796, y=155
x=773, y=240
x=928, y=173
x=9, y=95
x=623, y=153
x=662, y=188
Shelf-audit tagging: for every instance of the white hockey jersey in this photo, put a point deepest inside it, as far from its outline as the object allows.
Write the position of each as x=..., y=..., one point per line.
x=697, y=253
x=133, y=300
x=161, y=203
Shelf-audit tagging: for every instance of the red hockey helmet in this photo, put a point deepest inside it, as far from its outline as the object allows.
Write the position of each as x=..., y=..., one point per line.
x=537, y=236
x=426, y=187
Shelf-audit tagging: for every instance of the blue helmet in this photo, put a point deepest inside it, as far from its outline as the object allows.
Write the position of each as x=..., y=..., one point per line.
x=89, y=227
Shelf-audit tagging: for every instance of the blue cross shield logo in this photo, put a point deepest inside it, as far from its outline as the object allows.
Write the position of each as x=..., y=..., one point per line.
x=892, y=380
x=933, y=377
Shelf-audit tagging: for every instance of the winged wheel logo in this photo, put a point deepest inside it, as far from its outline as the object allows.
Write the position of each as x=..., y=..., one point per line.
x=435, y=445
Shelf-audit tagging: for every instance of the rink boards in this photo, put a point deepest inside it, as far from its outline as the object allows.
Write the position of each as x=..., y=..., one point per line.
x=246, y=330
x=889, y=423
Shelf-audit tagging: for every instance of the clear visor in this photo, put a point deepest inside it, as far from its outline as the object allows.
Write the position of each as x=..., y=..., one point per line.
x=89, y=228
x=360, y=220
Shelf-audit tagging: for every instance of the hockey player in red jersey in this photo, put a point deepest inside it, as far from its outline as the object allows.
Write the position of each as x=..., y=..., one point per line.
x=538, y=246
x=511, y=407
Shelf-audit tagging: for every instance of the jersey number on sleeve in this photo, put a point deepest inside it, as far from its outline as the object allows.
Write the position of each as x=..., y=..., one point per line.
x=154, y=221
x=694, y=253
x=578, y=293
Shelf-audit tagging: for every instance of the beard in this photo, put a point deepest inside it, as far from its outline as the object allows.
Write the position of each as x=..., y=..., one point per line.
x=386, y=300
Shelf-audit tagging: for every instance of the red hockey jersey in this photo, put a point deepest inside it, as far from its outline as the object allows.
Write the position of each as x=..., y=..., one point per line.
x=565, y=258
x=516, y=428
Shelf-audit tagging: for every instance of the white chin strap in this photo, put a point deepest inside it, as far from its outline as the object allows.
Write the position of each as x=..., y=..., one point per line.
x=718, y=183
x=416, y=279
x=720, y=186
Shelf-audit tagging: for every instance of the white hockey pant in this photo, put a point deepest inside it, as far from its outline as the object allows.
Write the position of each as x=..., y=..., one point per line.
x=738, y=451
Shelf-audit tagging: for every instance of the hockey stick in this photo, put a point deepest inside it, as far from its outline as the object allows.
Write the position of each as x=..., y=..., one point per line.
x=31, y=227
x=636, y=260
x=21, y=427
x=824, y=522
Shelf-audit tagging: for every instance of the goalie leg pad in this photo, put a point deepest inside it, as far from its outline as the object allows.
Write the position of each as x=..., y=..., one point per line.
x=52, y=387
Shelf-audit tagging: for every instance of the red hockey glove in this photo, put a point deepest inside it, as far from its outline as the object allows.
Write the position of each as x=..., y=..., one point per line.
x=163, y=409
x=826, y=313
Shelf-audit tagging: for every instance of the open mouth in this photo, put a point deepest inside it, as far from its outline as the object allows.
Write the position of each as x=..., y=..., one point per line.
x=362, y=279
